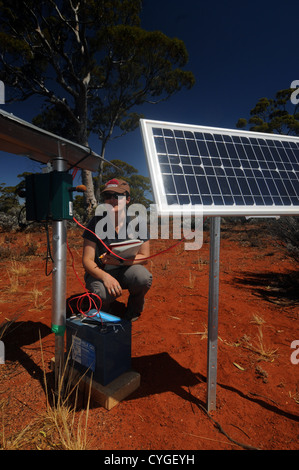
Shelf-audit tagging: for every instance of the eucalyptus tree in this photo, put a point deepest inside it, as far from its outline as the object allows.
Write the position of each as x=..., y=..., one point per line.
x=278, y=115
x=90, y=62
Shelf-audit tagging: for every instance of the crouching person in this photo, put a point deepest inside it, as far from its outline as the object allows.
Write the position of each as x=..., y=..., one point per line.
x=107, y=275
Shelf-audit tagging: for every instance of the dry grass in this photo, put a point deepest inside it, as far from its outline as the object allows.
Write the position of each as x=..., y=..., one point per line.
x=295, y=396
x=256, y=319
x=18, y=269
x=203, y=334
x=260, y=347
x=37, y=296
x=61, y=418
x=4, y=327
x=59, y=427
x=192, y=279
x=15, y=270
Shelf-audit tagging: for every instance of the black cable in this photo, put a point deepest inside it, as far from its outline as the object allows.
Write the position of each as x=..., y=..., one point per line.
x=49, y=255
x=21, y=224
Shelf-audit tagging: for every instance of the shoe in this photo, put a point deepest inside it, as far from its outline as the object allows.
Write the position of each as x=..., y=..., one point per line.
x=135, y=317
x=131, y=316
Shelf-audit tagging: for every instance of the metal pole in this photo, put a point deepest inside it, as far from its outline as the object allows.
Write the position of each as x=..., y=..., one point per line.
x=213, y=312
x=59, y=283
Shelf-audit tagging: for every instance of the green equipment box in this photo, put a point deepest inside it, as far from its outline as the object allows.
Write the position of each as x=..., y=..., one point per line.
x=49, y=196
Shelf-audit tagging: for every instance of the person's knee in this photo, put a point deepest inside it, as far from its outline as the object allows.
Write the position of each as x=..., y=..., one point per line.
x=95, y=286
x=144, y=277
x=140, y=277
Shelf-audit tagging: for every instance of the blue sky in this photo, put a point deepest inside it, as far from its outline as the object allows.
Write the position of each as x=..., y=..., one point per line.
x=238, y=52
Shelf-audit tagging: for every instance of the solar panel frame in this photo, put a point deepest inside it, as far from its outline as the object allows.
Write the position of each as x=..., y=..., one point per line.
x=23, y=138
x=221, y=172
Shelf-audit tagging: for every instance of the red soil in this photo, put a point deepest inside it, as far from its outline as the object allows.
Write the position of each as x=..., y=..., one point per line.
x=257, y=397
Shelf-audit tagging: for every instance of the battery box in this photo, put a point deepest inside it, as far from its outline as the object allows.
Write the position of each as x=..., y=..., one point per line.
x=99, y=347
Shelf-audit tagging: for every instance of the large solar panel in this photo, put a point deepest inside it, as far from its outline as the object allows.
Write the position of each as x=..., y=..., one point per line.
x=222, y=172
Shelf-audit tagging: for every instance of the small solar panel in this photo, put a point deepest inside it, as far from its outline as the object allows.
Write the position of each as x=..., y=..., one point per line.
x=221, y=171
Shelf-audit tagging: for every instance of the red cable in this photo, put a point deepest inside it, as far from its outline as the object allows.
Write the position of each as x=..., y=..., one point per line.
x=87, y=294
x=114, y=254
x=75, y=171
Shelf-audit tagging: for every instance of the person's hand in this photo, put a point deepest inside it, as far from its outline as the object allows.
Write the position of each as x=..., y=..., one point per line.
x=106, y=258
x=112, y=286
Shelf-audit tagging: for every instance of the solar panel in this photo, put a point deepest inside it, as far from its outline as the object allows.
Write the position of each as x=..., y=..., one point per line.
x=222, y=172
x=23, y=138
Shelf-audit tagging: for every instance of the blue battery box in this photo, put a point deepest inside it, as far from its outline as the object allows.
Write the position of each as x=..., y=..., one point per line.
x=99, y=345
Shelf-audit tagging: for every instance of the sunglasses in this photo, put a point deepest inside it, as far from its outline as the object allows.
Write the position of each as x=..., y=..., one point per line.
x=113, y=195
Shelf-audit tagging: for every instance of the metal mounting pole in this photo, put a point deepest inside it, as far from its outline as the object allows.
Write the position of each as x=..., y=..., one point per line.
x=213, y=312
x=59, y=236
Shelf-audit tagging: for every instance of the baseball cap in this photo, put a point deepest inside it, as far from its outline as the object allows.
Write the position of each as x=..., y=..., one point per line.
x=116, y=186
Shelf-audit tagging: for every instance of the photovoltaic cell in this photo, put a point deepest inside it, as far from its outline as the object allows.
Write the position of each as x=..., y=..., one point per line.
x=225, y=171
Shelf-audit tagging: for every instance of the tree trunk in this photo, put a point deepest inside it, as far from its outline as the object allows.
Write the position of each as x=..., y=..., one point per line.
x=90, y=201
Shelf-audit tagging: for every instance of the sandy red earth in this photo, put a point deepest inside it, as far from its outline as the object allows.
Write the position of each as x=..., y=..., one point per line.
x=257, y=382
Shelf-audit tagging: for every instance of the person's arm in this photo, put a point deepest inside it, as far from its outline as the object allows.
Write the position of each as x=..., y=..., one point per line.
x=91, y=267
x=140, y=258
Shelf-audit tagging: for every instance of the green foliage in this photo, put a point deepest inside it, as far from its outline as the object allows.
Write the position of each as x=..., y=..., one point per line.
x=286, y=231
x=78, y=208
x=278, y=115
x=8, y=199
x=139, y=185
x=90, y=61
